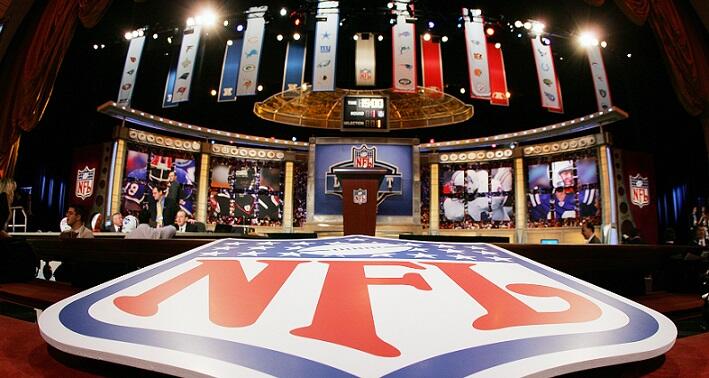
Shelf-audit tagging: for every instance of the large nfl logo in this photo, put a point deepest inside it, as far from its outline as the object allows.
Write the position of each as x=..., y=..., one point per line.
x=354, y=306
x=364, y=157
x=639, y=190
x=85, y=182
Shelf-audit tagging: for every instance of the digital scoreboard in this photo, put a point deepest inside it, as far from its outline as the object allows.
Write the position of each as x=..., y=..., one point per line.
x=365, y=113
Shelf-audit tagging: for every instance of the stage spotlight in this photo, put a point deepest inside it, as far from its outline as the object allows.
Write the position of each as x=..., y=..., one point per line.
x=128, y=36
x=427, y=36
x=431, y=24
x=490, y=31
x=296, y=36
x=226, y=22
x=476, y=12
x=518, y=24
x=538, y=28
x=229, y=42
x=508, y=94
x=587, y=39
x=155, y=36
x=513, y=145
x=527, y=25
x=297, y=21
x=498, y=45
x=283, y=12
x=519, y=35
x=355, y=37
x=294, y=139
x=103, y=46
x=432, y=141
x=240, y=28
x=392, y=21
x=561, y=58
x=134, y=34
x=207, y=18
x=546, y=41
x=259, y=88
x=380, y=38
x=604, y=44
x=169, y=40
x=95, y=47
x=494, y=145
x=444, y=39
x=390, y=5
x=629, y=55
x=141, y=33
x=213, y=92
x=462, y=90
x=279, y=37
x=460, y=26
x=190, y=21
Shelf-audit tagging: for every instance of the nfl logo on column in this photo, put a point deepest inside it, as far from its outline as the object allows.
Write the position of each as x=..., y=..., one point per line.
x=354, y=306
x=85, y=182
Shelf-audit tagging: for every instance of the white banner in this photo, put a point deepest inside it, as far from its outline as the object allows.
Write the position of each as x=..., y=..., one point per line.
x=476, y=48
x=549, y=87
x=365, y=61
x=185, y=64
x=130, y=71
x=404, y=55
x=600, y=79
x=251, y=51
x=326, y=27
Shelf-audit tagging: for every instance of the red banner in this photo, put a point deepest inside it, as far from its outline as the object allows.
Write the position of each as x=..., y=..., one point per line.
x=498, y=78
x=639, y=207
x=432, y=64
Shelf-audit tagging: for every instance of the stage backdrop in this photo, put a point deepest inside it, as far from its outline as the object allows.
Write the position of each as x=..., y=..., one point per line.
x=395, y=193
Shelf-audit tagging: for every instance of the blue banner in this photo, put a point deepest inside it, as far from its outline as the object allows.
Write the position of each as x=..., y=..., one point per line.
x=170, y=82
x=230, y=70
x=294, y=67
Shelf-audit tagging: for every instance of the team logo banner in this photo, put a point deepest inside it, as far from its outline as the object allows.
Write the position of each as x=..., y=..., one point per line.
x=403, y=52
x=185, y=64
x=600, y=79
x=85, y=182
x=294, y=68
x=498, y=78
x=354, y=306
x=170, y=82
x=251, y=51
x=326, y=27
x=130, y=70
x=365, y=62
x=432, y=64
x=476, y=47
x=549, y=87
x=639, y=191
x=230, y=70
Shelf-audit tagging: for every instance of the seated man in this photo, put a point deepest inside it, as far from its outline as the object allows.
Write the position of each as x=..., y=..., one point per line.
x=116, y=223
x=184, y=224
x=75, y=218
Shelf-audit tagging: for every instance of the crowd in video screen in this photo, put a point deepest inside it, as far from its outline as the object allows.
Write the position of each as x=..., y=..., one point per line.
x=245, y=192
x=563, y=191
x=476, y=196
x=148, y=168
x=425, y=195
x=300, y=193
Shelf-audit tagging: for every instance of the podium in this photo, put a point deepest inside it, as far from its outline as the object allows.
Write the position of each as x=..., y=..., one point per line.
x=359, y=198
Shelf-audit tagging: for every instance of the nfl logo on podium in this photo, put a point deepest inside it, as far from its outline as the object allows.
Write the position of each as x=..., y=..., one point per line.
x=639, y=191
x=85, y=182
x=354, y=306
x=359, y=196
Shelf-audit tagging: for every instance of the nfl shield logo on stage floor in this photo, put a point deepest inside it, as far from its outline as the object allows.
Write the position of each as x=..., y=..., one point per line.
x=354, y=306
x=85, y=182
x=359, y=196
x=639, y=190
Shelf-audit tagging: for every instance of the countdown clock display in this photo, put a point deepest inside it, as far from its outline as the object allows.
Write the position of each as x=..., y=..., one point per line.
x=365, y=113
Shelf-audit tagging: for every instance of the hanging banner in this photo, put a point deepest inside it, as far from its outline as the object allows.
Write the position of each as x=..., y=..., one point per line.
x=476, y=48
x=170, y=82
x=326, y=27
x=251, y=51
x=365, y=62
x=130, y=71
x=403, y=51
x=230, y=70
x=185, y=64
x=498, y=78
x=549, y=87
x=432, y=64
x=600, y=79
x=294, y=69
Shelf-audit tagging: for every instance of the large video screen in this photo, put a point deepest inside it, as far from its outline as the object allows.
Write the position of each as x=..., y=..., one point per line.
x=245, y=192
x=563, y=191
x=476, y=196
x=148, y=167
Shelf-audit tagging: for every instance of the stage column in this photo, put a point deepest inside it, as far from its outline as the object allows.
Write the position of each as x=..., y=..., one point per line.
x=119, y=158
x=203, y=188
x=288, y=194
x=520, y=198
x=434, y=202
x=607, y=196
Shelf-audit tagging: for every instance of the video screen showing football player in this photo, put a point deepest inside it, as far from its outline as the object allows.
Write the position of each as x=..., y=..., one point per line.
x=269, y=207
x=244, y=178
x=220, y=177
x=270, y=179
x=501, y=181
x=588, y=192
x=453, y=209
x=563, y=174
x=479, y=209
x=453, y=181
x=564, y=203
x=137, y=165
x=476, y=181
x=539, y=206
x=160, y=167
x=185, y=171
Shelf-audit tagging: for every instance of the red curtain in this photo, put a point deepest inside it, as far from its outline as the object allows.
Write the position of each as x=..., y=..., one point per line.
x=29, y=74
x=681, y=40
